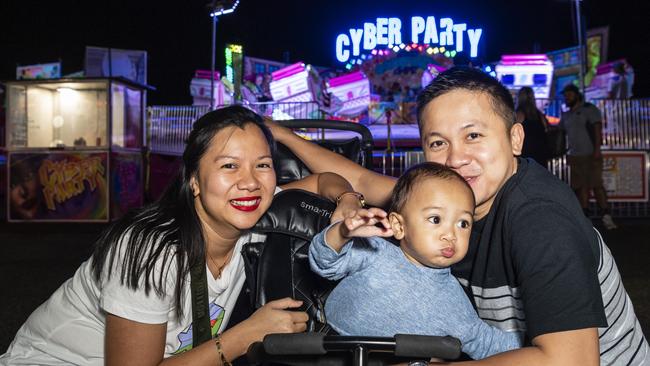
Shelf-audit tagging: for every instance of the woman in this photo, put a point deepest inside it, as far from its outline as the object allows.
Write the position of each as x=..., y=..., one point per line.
x=130, y=304
x=535, y=126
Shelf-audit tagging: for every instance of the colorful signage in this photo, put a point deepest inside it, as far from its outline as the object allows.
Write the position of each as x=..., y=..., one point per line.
x=625, y=176
x=234, y=66
x=387, y=33
x=41, y=71
x=58, y=186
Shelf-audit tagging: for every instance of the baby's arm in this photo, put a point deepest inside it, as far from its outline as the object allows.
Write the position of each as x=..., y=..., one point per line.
x=360, y=224
x=487, y=340
x=330, y=253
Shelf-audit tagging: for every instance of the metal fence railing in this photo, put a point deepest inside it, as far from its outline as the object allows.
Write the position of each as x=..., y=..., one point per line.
x=288, y=110
x=626, y=126
x=626, y=122
x=169, y=126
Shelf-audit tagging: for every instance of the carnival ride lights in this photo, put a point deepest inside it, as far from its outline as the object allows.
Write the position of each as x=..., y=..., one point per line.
x=294, y=83
x=353, y=90
x=533, y=70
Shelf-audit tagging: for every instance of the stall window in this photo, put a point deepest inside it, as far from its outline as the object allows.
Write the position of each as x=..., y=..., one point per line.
x=539, y=79
x=508, y=79
x=65, y=115
x=127, y=117
x=260, y=68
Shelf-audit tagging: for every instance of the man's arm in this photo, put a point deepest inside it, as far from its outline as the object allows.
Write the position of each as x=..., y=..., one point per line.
x=574, y=347
x=375, y=187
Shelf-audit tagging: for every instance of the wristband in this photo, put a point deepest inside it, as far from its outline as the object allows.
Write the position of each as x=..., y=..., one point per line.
x=362, y=200
x=222, y=357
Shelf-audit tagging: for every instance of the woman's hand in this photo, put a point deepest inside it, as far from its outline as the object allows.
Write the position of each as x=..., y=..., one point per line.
x=276, y=317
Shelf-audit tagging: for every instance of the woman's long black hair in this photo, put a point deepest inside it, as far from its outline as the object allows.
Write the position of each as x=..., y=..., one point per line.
x=168, y=229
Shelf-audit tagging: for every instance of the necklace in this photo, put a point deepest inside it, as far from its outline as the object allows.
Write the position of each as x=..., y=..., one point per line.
x=220, y=267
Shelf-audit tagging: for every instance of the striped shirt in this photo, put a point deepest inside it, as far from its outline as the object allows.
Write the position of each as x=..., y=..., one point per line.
x=536, y=265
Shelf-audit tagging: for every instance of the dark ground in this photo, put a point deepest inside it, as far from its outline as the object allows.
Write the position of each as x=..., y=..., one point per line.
x=36, y=258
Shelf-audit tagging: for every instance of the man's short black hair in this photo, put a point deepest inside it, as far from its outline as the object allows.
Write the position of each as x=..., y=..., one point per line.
x=416, y=173
x=474, y=80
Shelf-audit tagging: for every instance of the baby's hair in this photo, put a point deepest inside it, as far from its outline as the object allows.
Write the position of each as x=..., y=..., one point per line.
x=416, y=173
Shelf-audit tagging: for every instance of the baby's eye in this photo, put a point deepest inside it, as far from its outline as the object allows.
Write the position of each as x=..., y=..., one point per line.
x=434, y=219
x=464, y=224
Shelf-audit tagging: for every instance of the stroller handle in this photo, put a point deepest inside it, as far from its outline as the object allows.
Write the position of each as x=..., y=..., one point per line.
x=276, y=346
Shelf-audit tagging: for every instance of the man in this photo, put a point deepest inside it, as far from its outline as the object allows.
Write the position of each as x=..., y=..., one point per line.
x=584, y=134
x=618, y=85
x=535, y=264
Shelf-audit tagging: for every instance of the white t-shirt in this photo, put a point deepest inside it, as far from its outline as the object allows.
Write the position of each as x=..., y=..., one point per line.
x=69, y=328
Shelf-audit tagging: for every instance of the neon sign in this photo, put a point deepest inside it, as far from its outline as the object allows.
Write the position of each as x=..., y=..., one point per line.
x=388, y=32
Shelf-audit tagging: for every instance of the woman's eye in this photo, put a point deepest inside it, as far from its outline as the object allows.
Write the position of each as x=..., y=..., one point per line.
x=434, y=219
x=229, y=166
x=264, y=165
x=463, y=224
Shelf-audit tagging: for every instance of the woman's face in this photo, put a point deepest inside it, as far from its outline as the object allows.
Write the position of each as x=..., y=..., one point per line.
x=236, y=181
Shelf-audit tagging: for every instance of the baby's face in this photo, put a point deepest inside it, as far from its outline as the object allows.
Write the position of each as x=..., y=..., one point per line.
x=437, y=222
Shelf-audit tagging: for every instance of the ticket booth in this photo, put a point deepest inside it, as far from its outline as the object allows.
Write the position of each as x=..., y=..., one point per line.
x=75, y=149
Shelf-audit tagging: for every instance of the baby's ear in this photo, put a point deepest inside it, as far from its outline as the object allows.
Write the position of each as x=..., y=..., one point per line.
x=397, y=224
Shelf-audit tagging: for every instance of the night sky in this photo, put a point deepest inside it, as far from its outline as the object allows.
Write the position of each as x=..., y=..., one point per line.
x=177, y=34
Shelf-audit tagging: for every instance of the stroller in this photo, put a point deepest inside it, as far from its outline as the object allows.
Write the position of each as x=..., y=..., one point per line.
x=279, y=267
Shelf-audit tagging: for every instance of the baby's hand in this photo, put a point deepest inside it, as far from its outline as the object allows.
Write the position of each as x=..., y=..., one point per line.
x=362, y=223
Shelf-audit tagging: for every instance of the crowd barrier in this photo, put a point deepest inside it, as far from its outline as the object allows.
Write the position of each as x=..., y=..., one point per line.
x=626, y=126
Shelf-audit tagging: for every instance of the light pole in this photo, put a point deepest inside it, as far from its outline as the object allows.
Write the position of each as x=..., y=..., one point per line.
x=217, y=8
x=581, y=49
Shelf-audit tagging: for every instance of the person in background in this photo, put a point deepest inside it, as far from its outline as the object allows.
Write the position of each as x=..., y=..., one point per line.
x=618, y=83
x=535, y=126
x=583, y=126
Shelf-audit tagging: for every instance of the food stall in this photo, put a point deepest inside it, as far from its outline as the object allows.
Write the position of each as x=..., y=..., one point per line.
x=75, y=149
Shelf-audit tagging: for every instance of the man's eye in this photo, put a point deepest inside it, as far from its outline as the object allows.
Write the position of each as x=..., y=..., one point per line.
x=434, y=219
x=436, y=144
x=473, y=135
x=464, y=224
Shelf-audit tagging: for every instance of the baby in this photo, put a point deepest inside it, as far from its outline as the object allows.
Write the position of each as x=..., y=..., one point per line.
x=386, y=289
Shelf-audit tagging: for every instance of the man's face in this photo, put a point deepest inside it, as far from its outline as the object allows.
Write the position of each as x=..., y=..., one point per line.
x=570, y=98
x=461, y=130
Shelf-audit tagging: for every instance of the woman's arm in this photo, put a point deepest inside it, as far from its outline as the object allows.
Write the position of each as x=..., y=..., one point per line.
x=375, y=187
x=331, y=186
x=132, y=343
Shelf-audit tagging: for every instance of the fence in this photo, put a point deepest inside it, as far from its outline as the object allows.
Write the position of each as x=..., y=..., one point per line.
x=169, y=126
x=626, y=126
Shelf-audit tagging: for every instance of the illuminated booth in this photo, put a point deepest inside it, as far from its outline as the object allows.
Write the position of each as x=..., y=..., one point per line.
x=353, y=90
x=200, y=89
x=292, y=87
x=74, y=149
x=534, y=71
